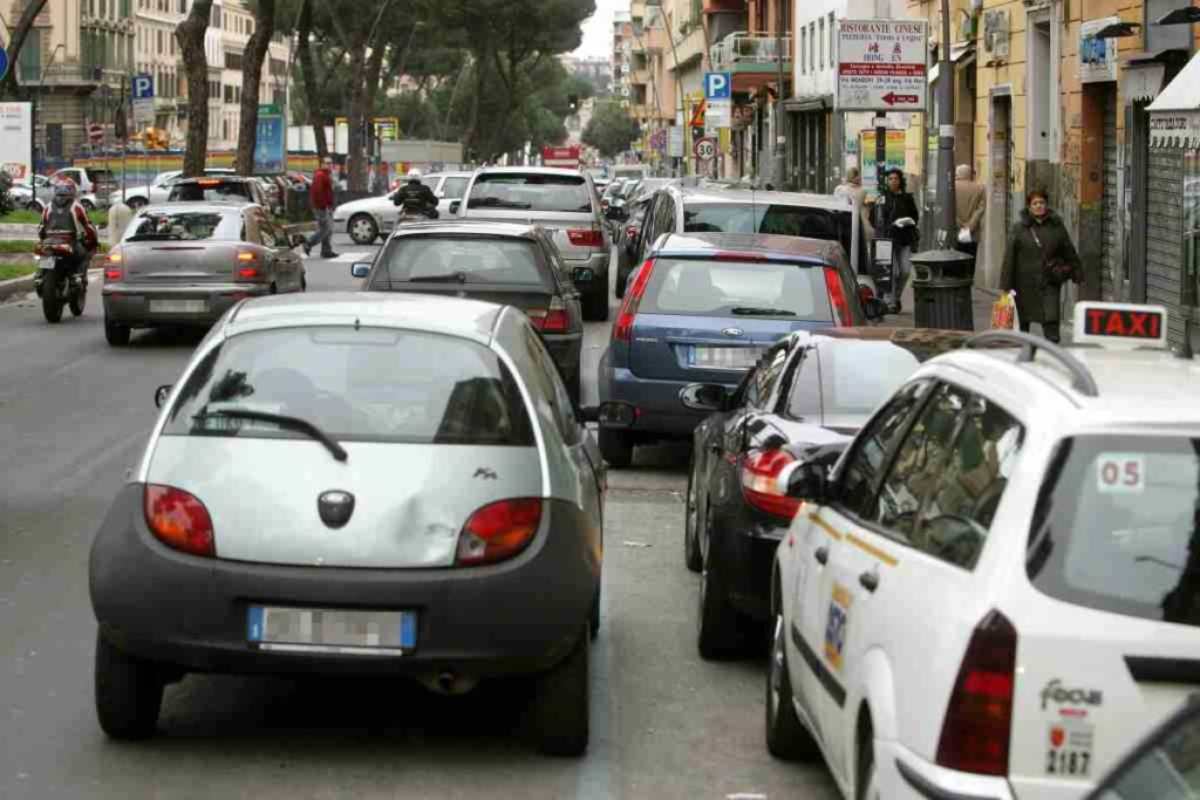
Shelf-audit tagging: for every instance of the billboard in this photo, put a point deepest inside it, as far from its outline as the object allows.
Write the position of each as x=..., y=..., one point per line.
x=882, y=65
x=16, y=139
x=270, y=152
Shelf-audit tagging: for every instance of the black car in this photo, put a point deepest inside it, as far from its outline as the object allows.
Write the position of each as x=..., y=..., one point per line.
x=500, y=262
x=804, y=400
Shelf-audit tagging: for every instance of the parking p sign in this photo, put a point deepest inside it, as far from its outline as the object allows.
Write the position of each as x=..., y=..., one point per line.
x=143, y=87
x=718, y=86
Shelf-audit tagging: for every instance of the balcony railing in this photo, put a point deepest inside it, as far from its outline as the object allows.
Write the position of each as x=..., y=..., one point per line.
x=72, y=75
x=750, y=48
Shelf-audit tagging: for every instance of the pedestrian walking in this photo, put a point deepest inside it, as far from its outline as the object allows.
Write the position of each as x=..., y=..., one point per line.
x=852, y=189
x=896, y=219
x=320, y=196
x=1038, y=259
x=970, y=201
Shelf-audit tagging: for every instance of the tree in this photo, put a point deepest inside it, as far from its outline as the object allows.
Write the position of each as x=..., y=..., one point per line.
x=252, y=62
x=190, y=35
x=611, y=130
x=17, y=41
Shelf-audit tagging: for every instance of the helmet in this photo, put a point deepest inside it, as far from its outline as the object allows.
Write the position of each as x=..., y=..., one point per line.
x=64, y=192
x=414, y=175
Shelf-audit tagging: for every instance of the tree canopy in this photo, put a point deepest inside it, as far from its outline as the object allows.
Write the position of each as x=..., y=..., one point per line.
x=610, y=130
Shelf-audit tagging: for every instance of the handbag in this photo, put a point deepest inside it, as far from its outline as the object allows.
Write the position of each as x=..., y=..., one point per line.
x=1054, y=270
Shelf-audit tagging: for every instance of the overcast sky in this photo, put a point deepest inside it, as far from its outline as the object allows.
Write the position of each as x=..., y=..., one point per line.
x=597, y=31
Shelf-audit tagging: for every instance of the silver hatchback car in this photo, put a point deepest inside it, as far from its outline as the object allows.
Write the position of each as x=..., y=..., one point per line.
x=375, y=484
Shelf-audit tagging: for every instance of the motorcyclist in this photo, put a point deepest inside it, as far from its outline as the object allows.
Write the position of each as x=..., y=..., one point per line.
x=65, y=215
x=416, y=197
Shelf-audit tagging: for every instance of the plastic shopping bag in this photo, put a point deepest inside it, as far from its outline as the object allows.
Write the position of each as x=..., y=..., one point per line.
x=1004, y=312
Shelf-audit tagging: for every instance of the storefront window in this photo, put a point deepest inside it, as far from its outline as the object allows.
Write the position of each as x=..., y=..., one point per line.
x=1191, y=219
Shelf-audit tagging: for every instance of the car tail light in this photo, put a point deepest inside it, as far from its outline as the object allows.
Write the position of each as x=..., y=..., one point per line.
x=179, y=520
x=114, y=265
x=736, y=256
x=760, y=483
x=978, y=721
x=498, y=531
x=623, y=327
x=247, y=265
x=837, y=297
x=586, y=237
x=552, y=319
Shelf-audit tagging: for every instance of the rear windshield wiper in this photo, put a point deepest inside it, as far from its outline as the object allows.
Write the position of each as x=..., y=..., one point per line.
x=498, y=202
x=453, y=277
x=762, y=312
x=283, y=421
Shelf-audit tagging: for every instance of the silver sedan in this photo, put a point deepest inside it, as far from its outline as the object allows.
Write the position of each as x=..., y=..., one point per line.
x=375, y=484
x=188, y=263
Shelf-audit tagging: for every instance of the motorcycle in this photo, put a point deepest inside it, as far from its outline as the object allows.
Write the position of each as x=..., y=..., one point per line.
x=413, y=214
x=57, y=281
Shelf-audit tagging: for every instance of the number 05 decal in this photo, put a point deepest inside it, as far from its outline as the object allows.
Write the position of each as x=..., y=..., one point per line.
x=1120, y=473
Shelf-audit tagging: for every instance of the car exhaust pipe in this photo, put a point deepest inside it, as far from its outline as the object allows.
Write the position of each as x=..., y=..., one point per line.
x=448, y=682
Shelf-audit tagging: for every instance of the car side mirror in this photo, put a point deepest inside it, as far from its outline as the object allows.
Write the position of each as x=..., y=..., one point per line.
x=454, y=206
x=805, y=480
x=703, y=396
x=360, y=270
x=161, y=394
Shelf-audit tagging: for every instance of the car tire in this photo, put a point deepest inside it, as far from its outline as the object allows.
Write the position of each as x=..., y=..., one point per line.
x=34, y=205
x=52, y=306
x=594, y=618
x=691, y=514
x=363, y=229
x=77, y=303
x=616, y=447
x=595, y=307
x=717, y=633
x=128, y=693
x=787, y=739
x=561, y=704
x=115, y=333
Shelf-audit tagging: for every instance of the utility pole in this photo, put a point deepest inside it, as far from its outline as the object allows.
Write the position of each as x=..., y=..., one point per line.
x=945, y=164
x=780, y=158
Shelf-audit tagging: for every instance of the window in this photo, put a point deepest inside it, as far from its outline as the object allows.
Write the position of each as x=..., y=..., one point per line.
x=855, y=378
x=474, y=259
x=549, y=395
x=184, y=226
x=812, y=51
x=864, y=465
x=803, y=50
x=832, y=49
x=755, y=289
x=766, y=375
x=233, y=60
x=453, y=188
x=822, y=32
x=531, y=191
x=30, y=60
x=160, y=42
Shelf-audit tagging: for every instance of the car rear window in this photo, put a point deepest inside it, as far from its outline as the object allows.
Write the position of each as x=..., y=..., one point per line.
x=460, y=259
x=531, y=191
x=215, y=191
x=1116, y=526
x=785, y=220
x=154, y=225
x=698, y=287
x=355, y=384
x=849, y=380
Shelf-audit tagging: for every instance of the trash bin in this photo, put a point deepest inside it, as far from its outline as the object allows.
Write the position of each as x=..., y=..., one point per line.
x=942, y=287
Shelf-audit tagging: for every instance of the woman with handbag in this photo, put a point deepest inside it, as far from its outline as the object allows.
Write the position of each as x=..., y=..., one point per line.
x=1038, y=260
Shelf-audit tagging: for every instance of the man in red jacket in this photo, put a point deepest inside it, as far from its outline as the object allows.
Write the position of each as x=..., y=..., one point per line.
x=320, y=196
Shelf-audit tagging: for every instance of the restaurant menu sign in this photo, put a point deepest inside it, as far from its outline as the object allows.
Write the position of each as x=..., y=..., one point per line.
x=882, y=65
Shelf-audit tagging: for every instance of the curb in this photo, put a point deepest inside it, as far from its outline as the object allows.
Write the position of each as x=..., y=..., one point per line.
x=25, y=285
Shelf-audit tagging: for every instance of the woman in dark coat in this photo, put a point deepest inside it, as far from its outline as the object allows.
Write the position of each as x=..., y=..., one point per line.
x=896, y=203
x=1038, y=238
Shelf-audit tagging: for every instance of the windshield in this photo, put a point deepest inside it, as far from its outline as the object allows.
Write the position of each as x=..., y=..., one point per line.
x=697, y=287
x=364, y=384
x=1116, y=527
x=470, y=259
x=185, y=226
x=453, y=188
x=532, y=191
x=848, y=381
x=216, y=192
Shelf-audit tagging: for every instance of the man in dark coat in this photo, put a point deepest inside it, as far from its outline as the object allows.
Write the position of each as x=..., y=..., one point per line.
x=1038, y=238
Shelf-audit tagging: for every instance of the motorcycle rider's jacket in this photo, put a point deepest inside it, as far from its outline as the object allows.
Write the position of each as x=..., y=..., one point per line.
x=71, y=219
x=417, y=197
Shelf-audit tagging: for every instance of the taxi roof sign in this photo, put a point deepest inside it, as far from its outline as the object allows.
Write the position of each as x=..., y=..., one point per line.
x=1120, y=325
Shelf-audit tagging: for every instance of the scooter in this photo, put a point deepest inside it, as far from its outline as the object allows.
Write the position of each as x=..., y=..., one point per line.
x=56, y=281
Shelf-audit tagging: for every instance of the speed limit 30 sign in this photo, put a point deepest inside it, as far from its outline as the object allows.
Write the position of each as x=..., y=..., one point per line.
x=705, y=148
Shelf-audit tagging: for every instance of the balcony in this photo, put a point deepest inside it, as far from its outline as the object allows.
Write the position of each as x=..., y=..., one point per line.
x=751, y=52
x=79, y=75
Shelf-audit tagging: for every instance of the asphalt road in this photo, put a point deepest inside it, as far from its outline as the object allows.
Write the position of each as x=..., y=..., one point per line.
x=74, y=415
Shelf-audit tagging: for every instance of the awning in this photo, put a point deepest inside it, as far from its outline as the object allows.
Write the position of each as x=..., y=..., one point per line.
x=1175, y=113
x=961, y=53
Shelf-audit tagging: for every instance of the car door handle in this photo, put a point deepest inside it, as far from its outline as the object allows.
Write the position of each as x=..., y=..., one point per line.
x=821, y=554
x=869, y=581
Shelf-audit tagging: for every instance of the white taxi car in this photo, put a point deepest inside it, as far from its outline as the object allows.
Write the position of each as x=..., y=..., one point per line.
x=995, y=591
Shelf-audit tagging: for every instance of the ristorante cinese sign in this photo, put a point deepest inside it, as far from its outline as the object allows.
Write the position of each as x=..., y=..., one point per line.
x=882, y=65
x=1175, y=129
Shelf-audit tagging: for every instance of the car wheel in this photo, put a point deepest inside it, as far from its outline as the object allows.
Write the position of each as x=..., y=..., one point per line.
x=128, y=693
x=691, y=546
x=786, y=737
x=594, y=619
x=717, y=634
x=560, y=706
x=135, y=203
x=616, y=447
x=362, y=229
x=33, y=205
x=116, y=334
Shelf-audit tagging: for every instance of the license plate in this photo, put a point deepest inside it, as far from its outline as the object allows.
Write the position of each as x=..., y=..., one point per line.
x=583, y=274
x=315, y=630
x=178, y=306
x=724, y=357
x=883, y=250
x=46, y=263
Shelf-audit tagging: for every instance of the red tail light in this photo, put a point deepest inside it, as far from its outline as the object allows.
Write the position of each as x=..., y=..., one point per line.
x=978, y=721
x=179, y=520
x=550, y=320
x=837, y=297
x=623, y=327
x=498, y=531
x=114, y=265
x=760, y=483
x=247, y=265
x=586, y=237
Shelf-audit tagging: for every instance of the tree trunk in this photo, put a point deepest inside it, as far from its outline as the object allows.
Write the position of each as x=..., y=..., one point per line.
x=252, y=62
x=480, y=85
x=311, y=91
x=356, y=148
x=24, y=24
x=190, y=35
x=360, y=159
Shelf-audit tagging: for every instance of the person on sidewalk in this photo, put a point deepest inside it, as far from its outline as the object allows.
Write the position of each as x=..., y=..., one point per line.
x=897, y=217
x=1039, y=258
x=320, y=196
x=970, y=201
x=852, y=188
